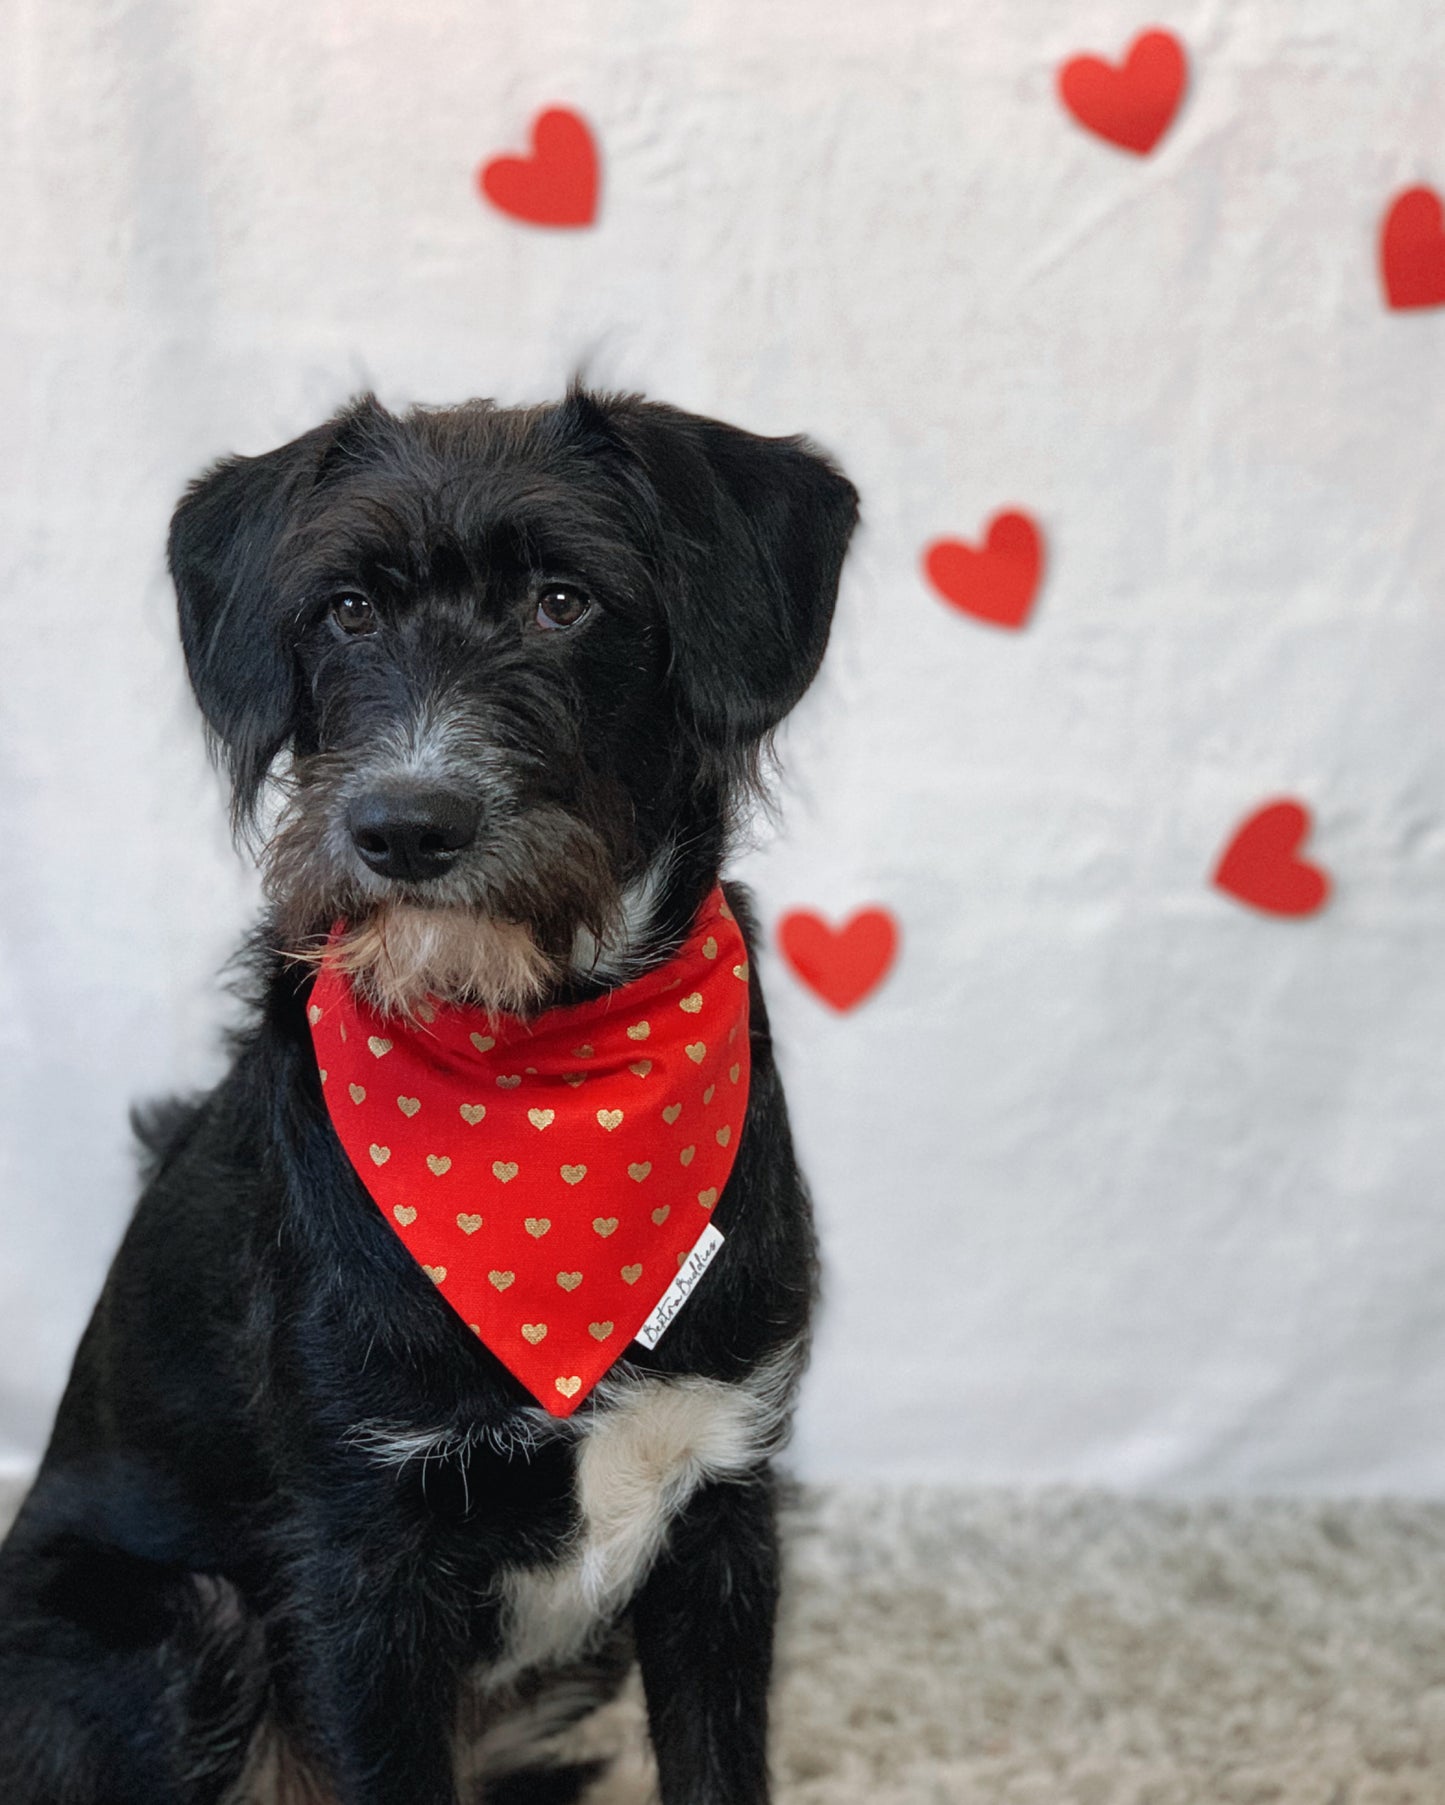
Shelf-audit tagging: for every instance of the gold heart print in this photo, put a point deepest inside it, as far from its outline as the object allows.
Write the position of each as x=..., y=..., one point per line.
x=314, y=1014
x=321, y=1071
x=453, y=1211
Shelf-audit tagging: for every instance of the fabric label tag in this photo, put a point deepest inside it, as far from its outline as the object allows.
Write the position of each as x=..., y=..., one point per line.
x=681, y=1288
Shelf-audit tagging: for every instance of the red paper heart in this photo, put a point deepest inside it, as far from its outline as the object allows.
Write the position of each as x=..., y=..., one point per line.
x=1261, y=866
x=997, y=584
x=1131, y=106
x=1412, y=250
x=557, y=185
x=841, y=965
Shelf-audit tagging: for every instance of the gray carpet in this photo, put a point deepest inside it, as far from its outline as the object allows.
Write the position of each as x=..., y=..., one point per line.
x=1066, y=1650
x=955, y=1648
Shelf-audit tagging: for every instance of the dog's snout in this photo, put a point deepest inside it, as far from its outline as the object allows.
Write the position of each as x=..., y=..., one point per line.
x=411, y=833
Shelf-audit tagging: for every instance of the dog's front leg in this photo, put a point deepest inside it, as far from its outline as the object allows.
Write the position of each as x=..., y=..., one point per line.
x=704, y=1629
x=368, y=1678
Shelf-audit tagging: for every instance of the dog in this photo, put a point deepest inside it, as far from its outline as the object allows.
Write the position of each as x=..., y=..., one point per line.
x=502, y=683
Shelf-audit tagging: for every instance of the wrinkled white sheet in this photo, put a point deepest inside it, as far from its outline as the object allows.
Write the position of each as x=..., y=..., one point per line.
x=1120, y=1182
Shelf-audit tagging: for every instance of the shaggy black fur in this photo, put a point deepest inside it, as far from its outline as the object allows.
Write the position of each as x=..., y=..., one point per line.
x=209, y=1560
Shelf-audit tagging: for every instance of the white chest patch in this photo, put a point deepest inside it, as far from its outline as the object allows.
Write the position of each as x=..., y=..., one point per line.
x=640, y=1459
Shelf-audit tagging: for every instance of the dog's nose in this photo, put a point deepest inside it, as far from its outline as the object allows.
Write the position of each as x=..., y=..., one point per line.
x=411, y=833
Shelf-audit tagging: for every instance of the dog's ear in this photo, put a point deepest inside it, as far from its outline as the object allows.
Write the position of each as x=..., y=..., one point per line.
x=756, y=530
x=234, y=629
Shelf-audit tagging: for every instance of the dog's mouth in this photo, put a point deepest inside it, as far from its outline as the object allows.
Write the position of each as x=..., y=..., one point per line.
x=403, y=957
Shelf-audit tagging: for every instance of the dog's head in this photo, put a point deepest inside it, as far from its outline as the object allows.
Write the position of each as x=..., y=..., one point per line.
x=515, y=657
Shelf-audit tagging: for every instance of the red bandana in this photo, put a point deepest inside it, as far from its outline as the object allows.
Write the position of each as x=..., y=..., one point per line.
x=551, y=1177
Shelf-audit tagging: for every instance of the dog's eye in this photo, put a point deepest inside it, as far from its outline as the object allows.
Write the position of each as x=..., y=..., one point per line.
x=353, y=613
x=561, y=605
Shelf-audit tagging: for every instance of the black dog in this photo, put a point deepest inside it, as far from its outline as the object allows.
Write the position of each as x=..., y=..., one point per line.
x=298, y=1534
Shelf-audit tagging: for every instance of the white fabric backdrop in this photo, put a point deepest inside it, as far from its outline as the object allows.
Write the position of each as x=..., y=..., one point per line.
x=1121, y=1182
